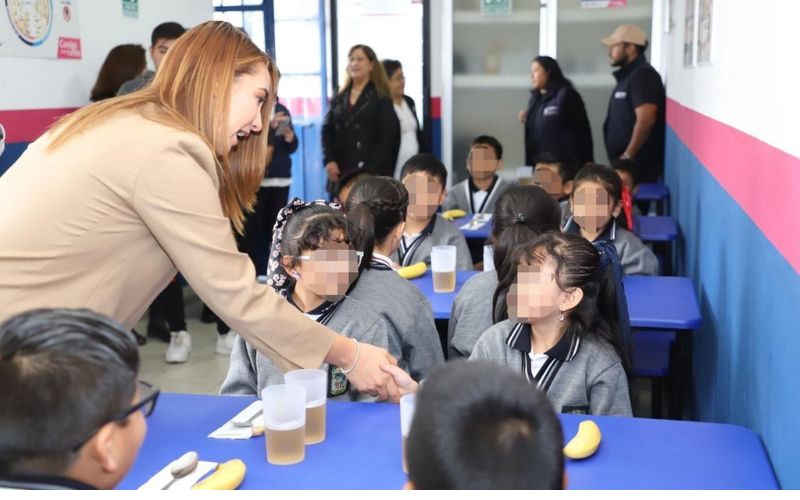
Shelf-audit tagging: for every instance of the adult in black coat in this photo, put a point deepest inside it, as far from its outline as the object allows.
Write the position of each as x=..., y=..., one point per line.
x=555, y=120
x=360, y=128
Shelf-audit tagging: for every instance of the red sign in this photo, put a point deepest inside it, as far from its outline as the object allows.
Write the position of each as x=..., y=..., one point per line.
x=69, y=48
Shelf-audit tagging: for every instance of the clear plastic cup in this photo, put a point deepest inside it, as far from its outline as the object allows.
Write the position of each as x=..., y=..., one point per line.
x=285, y=423
x=315, y=383
x=408, y=404
x=443, y=266
x=488, y=258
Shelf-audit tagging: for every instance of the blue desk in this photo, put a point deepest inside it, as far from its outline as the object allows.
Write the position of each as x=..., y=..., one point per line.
x=651, y=192
x=481, y=233
x=442, y=302
x=657, y=228
x=662, y=302
x=362, y=450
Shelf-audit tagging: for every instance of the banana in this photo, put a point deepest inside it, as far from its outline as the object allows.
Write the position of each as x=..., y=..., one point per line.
x=456, y=213
x=585, y=442
x=228, y=476
x=414, y=271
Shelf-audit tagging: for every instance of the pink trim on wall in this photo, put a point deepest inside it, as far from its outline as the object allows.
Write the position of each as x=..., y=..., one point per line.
x=763, y=180
x=26, y=125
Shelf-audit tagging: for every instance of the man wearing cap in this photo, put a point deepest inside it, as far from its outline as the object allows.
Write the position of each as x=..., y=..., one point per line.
x=634, y=126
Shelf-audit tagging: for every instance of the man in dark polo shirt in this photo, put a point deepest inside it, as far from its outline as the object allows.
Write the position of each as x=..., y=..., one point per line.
x=634, y=126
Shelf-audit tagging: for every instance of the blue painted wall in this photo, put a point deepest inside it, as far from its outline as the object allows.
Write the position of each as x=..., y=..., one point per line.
x=747, y=355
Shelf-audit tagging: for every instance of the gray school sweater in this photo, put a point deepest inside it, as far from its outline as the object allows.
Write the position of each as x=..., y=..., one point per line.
x=459, y=196
x=250, y=371
x=444, y=233
x=635, y=256
x=580, y=376
x=471, y=314
x=413, y=339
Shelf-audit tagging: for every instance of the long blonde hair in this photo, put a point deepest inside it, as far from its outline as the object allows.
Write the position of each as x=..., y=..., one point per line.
x=377, y=76
x=191, y=92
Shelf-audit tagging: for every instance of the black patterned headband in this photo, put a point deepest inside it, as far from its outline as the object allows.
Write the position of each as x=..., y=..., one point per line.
x=276, y=275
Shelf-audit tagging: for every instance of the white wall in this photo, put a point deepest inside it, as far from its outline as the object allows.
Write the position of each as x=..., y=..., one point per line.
x=752, y=82
x=50, y=83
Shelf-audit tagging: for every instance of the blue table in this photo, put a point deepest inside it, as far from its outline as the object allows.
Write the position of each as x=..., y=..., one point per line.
x=362, y=450
x=442, y=303
x=651, y=192
x=658, y=193
x=661, y=302
x=481, y=233
x=657, y=228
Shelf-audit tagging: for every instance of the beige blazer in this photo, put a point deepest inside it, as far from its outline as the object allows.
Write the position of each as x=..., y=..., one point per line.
x=107, y=219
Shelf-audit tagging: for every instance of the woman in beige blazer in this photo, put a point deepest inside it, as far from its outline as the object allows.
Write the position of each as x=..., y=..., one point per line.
x=102, y=210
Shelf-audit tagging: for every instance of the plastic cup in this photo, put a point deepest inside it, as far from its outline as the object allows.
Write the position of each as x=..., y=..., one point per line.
x=488, y=258
x=285, y=423
x=408, y=404
x=443, y=266
x=315, y=383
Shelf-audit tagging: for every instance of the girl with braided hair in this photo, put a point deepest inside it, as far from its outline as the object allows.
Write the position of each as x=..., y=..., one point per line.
x=376, y=213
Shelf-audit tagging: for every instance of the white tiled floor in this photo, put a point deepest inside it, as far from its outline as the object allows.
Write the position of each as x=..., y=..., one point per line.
x=205, y=370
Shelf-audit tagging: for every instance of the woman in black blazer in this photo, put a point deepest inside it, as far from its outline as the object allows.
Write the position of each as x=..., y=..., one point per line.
x=555, y=120
x=361, y=130
x=411, y=137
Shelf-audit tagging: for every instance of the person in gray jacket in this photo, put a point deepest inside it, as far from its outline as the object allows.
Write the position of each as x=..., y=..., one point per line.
x=478, y=194
x=564, y=332
x=376, y=212
x=596, y=203
x=425, y=178
x=522, y=213
x=312, y=266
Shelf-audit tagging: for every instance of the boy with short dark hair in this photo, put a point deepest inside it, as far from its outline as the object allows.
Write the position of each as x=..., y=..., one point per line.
x=162, y=38
x=425, y=178
x=478, y=193
x=555, y=172
x=72, y=412
x=479, y=425
x=346, y=182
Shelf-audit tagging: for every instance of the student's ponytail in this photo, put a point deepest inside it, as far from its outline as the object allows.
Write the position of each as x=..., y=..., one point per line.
x=375, y=207
x=521, y=214
x=361, y=222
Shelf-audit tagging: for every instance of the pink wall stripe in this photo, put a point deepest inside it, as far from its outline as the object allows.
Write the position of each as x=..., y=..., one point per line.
x=763, y=180
x=26, y=125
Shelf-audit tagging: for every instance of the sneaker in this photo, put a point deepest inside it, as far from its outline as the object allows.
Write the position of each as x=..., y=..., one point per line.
x=225, y=343
x=180, y=345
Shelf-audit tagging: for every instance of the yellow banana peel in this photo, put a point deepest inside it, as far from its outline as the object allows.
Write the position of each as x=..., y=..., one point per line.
x=585, y=442
x=413, y=271
x=228, y=476
x=455, y=213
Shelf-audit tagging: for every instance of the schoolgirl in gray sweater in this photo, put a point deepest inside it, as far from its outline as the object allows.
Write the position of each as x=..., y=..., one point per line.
x=564, y=335
x=312, y=266
x=376, y=212
x=521, y=214
x=596, y=203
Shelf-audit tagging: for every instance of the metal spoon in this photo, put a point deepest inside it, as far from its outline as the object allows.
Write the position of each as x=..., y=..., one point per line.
x=182, y=467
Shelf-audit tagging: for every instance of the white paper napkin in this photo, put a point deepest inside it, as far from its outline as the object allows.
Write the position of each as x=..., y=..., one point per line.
x=230, y=431
x=164, y=476
x=477, y=222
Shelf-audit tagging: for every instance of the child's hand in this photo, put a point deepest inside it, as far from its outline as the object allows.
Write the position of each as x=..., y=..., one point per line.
x=405, y=384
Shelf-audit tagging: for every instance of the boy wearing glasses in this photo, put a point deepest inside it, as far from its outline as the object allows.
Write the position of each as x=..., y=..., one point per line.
x=72, y=412
x=478, y=194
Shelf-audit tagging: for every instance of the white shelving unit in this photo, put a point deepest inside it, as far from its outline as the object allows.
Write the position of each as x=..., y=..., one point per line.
x=589, y=80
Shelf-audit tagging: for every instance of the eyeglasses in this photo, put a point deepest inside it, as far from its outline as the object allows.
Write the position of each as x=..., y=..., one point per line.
x=148, y=395
x=333, y=256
